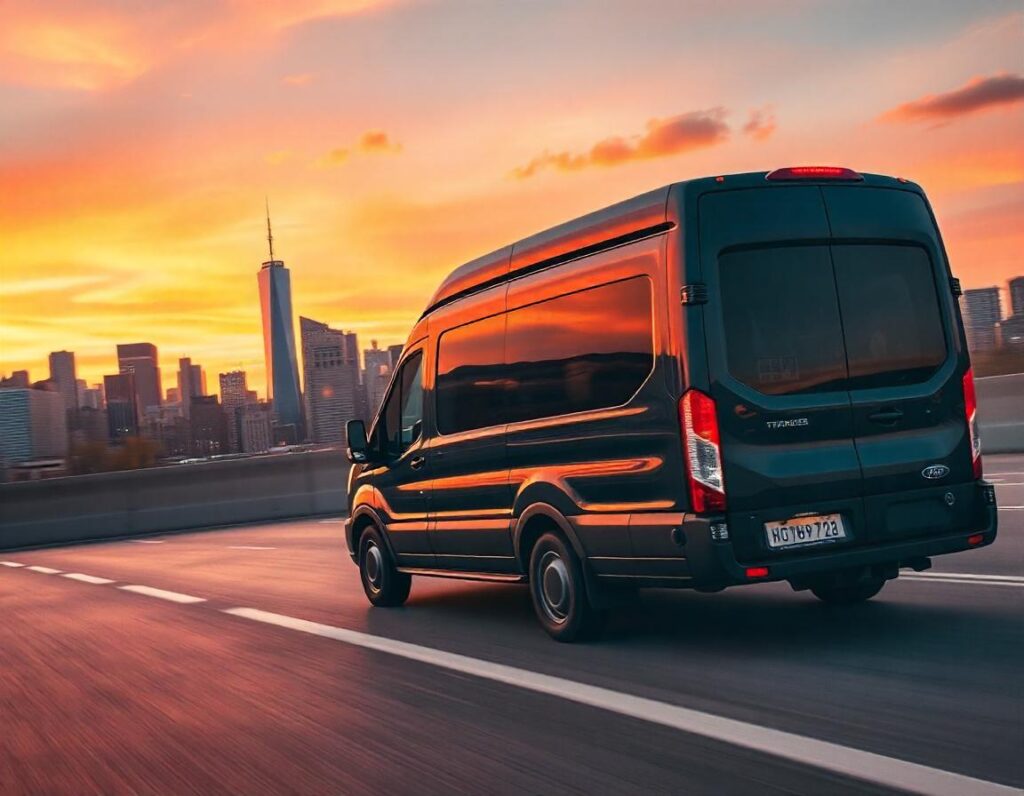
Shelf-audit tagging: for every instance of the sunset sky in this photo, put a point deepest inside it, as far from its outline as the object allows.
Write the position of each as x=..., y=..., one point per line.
x=396, y=140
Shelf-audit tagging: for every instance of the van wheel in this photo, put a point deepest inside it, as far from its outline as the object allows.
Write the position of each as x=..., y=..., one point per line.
x=836, y=592
x=384, y=585
x=559, y=592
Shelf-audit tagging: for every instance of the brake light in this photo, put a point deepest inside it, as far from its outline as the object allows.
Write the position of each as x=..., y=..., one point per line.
x=971, y=411
x=757, y=572
x=975, y=539
x=702, y=449
x=814, y=173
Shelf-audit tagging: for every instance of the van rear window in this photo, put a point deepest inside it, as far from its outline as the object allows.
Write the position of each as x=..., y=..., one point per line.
x=891, y=314
x=783, y=333
x=804, y=319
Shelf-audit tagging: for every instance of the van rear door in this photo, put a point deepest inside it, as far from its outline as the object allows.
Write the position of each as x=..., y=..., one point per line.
x=777, y=365
x=906, y=363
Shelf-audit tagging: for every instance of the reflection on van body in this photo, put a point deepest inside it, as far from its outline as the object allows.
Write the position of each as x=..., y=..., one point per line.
x=720, y=382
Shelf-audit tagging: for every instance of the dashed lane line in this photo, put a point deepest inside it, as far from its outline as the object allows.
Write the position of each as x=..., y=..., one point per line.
x=171, y=596
x=248, y=547
x=878, y=769
x=146, y=541
x=45, y=570
x=970, y=575
x=11, y=564
x=79, y=576
x=964, y=581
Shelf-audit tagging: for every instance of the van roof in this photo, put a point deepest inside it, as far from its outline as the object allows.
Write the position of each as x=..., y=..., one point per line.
x=643, y=215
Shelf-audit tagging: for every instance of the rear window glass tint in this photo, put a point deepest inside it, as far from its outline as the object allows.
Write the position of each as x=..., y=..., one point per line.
x=891, y=316
x=783, y=333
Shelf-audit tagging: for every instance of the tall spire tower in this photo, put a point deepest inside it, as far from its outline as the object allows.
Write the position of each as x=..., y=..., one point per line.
x=279, y=344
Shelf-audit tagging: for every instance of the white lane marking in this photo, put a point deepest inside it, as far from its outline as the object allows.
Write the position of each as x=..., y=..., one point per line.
x=1011, y=508
x=173, y=596
x=968, y=581
x=327, y=522
x=865, y=766
x=996, y=482
x=87, y=578
x=45, y=570
x=11, y=564
x=972, y=575
x=147, y=541
x=248, y=547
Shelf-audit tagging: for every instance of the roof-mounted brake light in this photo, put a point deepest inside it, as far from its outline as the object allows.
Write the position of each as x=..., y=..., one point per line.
x=814, y=173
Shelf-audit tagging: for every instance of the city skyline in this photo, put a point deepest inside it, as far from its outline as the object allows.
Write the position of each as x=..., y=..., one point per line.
x=148, y=219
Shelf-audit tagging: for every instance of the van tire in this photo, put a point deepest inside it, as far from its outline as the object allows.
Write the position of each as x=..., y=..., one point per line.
x=835, y=592
x=384, y=585
x=559, y=592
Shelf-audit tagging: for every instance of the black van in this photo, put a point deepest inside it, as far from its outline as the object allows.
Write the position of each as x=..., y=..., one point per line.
x=729, y=380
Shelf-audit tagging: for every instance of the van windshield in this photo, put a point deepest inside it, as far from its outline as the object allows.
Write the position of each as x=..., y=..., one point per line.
x=807, y=319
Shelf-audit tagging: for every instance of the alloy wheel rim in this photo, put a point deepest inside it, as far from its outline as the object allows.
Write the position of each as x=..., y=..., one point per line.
x=373, y=566
x=555, y=588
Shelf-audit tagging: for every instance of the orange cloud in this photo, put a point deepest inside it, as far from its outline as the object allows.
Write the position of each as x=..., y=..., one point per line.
x=378, y=141
x=760, y=124
x=664, y=137
x=981, y=93
x=335, y=157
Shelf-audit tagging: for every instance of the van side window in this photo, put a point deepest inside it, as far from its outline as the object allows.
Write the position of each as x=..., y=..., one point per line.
x=586, y=350
x=401, y=419
x=470, y=387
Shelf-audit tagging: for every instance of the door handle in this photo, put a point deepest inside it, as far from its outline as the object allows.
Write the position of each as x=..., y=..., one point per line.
x=416, y=462
x=886, y=416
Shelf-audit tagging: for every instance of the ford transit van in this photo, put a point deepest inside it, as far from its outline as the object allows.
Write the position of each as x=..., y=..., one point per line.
x=730, y=380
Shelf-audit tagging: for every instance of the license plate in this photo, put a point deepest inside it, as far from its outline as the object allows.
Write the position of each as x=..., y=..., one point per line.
x=797, y=531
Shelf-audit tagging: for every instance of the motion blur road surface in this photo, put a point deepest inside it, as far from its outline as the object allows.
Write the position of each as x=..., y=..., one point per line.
x=107, y=688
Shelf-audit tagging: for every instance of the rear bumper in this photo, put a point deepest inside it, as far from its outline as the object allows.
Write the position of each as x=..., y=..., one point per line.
x=715, y=563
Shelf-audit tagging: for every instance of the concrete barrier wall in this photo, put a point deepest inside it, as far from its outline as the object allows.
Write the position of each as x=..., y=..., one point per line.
x=277, y=487
x=172, y=498
x=1001, y=413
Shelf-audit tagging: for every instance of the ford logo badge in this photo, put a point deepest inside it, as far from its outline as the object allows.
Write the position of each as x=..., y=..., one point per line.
x=935, y=471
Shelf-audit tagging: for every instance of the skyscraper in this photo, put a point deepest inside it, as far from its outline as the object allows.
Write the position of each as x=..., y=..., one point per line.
x=33, y=425
x=140, y=359
x=330, y=361
x=279, y=340
x=376, y=375
x=191, y=383
x=233, y=397
x=122, y=405
x=1016, y=287
x=62, y=373
x=981, y=314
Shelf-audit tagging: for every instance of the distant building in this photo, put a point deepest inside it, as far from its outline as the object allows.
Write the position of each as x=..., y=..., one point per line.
x=191, y=383
x=18, y=378
x=92, y=426
x=91, y=398
x=255, y=428
x=122, y=406
x=1016, y=289
x=62, y=374
x=981, y=313
x=376, y=374
x=173, y=395
x=394, y=354
x=279, y=341
x=233, y=396
x=208, y=426
x=33, y=426
x=141, y=360
x=330, y=361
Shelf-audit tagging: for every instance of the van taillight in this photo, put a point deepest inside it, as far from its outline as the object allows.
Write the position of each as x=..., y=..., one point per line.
x=814, y=173
x=702, y=448
x=971, y=410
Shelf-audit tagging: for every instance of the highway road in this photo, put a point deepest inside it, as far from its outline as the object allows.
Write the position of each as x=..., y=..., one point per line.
x=246, y=660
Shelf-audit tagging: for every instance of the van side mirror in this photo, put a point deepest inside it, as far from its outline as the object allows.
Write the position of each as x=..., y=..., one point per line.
x=358, y=448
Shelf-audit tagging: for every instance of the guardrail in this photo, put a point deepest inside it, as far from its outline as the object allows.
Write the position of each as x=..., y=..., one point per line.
x=174, y=498
x=265, y=488
x=1001, y=413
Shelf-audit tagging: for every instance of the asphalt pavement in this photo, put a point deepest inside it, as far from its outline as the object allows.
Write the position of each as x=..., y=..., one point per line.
x=247, y=660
